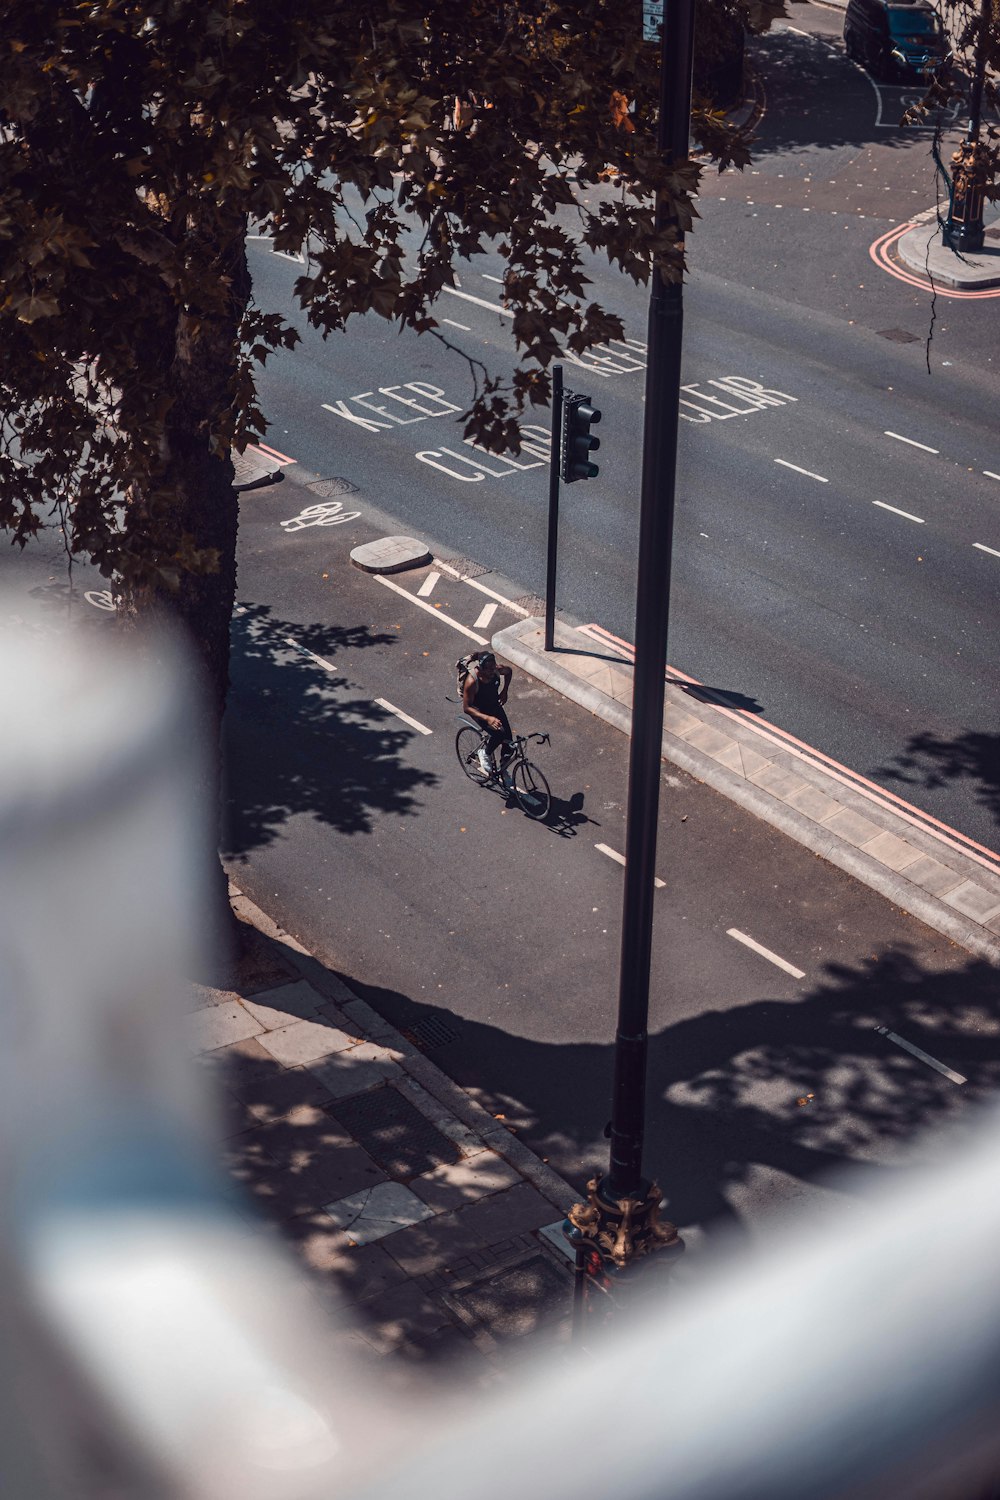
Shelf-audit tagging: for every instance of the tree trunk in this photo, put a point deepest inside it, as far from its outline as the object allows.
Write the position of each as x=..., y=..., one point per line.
x=194, y=494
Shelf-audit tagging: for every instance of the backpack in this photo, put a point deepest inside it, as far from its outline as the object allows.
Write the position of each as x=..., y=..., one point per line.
x=463, y=667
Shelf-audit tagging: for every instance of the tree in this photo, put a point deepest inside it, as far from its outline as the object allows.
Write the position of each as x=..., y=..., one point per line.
x=141, y=138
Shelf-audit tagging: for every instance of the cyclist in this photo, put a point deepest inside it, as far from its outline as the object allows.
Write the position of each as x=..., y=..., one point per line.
x=483, y=699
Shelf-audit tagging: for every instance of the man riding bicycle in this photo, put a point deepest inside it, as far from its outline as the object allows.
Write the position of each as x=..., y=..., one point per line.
x=483, y=697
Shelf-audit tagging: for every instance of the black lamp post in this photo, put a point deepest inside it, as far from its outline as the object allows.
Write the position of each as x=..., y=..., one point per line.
x=619, y=1223
x=963, y=228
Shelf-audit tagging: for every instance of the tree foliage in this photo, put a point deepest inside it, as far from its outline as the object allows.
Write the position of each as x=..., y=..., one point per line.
x=139, y=139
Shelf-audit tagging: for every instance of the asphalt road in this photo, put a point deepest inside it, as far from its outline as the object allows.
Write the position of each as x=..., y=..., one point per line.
x=495, y=939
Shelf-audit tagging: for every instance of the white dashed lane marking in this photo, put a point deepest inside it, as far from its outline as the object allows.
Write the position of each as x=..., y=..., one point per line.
x=990, y=475
x=924, y=1057
x=413, y=723
x=429, y=584
x=327, y=666
x=807, y=472
x=464, y=327
x=619, y=859
x=772, y=958
x=982, y=547
x=912, y=442
x=485, y=615
x=897, y=512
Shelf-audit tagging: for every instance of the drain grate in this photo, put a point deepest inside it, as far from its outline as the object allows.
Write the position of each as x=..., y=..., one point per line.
x=992, y=234
x=327, y=489
x=466, y=566
x=898, y=336
x=531, y=604
x=429, y=1032
x=394, y=1133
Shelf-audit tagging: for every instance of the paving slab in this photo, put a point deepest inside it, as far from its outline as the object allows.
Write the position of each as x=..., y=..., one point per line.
x=305, y=1042
x=385, y=1208
x=217, y=1026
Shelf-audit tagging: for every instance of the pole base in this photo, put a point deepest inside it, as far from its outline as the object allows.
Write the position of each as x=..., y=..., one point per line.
x=621, y=1230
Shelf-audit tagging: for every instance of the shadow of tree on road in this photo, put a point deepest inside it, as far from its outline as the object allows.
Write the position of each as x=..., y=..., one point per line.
x=932, y=762
x=801, y=1088
x=319, y=744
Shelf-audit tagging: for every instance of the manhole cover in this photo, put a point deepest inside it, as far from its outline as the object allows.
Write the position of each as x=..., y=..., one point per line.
x=466, y=567
x=898, y=336
x=518, y=1301
x=429, y=1032
x=328, y=489
x=394, y=1133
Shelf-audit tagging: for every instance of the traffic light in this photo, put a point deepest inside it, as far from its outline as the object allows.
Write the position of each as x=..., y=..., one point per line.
x=577, y=443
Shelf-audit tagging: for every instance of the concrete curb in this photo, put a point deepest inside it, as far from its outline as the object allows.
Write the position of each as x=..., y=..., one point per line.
x=735, y=750
x=432, y=1091
x=969, y=272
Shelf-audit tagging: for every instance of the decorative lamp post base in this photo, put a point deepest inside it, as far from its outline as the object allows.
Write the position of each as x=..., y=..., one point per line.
x=964, y=230
x=613, y=1239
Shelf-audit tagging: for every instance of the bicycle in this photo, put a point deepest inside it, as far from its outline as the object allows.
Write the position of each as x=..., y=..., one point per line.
x=520, y=776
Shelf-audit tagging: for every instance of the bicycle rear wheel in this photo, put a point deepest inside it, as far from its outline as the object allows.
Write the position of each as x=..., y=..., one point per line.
x=531, y=790
x=467, y=742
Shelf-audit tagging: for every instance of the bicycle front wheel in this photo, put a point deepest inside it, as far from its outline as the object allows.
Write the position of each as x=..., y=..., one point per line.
x=467, y=742
x=531, y=790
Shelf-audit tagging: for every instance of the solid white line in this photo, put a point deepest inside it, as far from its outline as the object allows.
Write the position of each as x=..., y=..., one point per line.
x=931, y=1062
x=773, y=958
x=311, y=654
x=620, y=860
x=480, y=640
x=807, y=472
x=452, y=324
x=897, y=512
x=483, y=588
x=413, y=723
x=429, y=584
x=983, y=548
x=989, y=475
x=485, y=615
x=493, y=307
x=900, y=439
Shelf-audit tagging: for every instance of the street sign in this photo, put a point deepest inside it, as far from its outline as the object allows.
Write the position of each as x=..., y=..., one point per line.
x=652, y=20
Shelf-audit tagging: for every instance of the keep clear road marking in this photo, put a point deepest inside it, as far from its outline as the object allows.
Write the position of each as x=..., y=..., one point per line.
x=983, y=548
x=807, y=472
x=897, y=512
x=619, y=859
x=413, y=723
x=480, y=640
x=913, y=444
x=924, y=1057
x=773, y=958
x=429, y=584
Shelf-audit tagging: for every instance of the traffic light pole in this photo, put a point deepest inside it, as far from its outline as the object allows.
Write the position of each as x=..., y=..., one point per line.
x=554, y=455
x=621, y=1216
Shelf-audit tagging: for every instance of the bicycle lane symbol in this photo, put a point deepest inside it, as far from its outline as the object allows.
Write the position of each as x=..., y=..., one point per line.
x=331, y=513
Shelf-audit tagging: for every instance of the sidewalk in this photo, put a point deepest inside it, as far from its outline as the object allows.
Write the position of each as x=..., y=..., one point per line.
x=935, y=873
x=423, y=1227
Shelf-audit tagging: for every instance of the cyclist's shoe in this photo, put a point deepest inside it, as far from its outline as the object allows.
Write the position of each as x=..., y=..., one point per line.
x=485, y=762
x=506, y=755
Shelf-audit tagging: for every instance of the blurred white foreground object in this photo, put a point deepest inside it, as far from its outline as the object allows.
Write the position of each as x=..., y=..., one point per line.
x=151, y=1345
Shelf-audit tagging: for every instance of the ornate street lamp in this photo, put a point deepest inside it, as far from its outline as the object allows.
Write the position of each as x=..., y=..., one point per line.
x=619, y=1227
x=963, y=230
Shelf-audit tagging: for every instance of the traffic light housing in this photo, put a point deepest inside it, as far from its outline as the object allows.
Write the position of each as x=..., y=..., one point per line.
x=577, y=444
